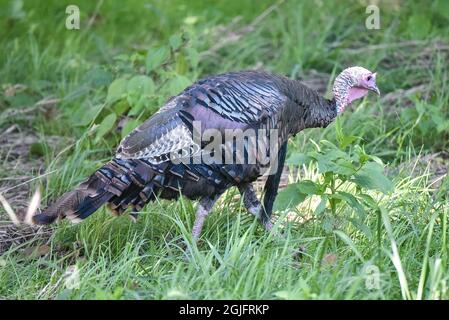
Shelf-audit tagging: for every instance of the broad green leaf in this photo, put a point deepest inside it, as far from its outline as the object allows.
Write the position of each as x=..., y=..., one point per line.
x=156, y=58
x=298, y=159
x=351, y=201
x=335, y=161
x=120, y=107
x=177, y=84
x=344, y=167
x=347, y=140
x=89, y=114
x=97, y=77
x=138, y=105
x=193, y=56
x=140, y=85
x=368, y=200
x=308, y=187
x=321, y=206
x=129, y=126
x=175, y=41
x=105, y=126
x=288, y=197
x=116, y=90
x=371, y=176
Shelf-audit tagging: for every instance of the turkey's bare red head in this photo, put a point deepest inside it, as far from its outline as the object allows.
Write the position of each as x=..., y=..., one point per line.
x=351, y=84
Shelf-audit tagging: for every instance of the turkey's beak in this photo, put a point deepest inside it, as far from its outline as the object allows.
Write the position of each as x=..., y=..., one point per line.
x=375, y=89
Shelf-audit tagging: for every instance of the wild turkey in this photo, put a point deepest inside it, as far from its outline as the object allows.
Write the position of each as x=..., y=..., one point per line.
x=144, y=167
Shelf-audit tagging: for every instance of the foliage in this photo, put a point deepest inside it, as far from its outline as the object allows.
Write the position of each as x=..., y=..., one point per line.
x=345, y=181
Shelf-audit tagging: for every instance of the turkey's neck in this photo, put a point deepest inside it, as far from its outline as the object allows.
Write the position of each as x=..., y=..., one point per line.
x=309, y=109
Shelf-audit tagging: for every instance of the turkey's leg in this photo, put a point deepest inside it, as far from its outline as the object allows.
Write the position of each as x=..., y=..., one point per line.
x=272, y=186
x=252, y=204
x=204, y=207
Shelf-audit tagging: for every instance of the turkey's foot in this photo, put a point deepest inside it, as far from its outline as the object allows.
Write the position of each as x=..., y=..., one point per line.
x=204, y=207
x=253, y=205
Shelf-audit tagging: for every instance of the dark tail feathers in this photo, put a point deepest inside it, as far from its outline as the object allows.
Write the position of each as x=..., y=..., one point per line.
x=110, y=180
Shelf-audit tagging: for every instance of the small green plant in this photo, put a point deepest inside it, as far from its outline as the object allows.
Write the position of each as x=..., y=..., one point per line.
x=143, y=82
x=345, y=179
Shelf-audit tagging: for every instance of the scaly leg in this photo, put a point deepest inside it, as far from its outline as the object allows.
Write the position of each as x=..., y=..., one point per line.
x=204, y=207
x=252, y=204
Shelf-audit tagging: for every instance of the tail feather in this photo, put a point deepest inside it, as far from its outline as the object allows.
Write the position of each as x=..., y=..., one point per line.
x=122, y=183
x=110, y=181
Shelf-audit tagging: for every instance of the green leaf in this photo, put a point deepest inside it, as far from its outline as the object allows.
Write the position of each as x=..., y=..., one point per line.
x=89, y=114
x=105, y=126
x=116, y=90
x=175, y=41
x=178, y=84
x=344, y=167
x=351, y=201
x=289, y=197
x=97, y=77
x=371, y=176
x=298, y=159
x=335, y=161
x=193, y=56
x=140, y=85
x=129, y=126
x=156, y=58
x=363, y=157
x=368, y=200
x=120, y=107
x=138, y=106
x=321, y=206
x=308, y=187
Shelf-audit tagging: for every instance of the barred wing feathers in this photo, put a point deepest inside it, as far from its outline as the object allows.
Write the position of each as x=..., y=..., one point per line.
x=233, y=100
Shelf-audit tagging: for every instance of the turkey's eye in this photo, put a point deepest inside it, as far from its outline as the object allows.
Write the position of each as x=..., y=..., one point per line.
x=369, y=78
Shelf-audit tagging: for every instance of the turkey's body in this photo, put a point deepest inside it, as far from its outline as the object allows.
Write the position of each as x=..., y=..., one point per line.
x=143, y=168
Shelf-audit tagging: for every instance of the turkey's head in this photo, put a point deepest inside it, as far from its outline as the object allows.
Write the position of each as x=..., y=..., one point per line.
x=352, y=84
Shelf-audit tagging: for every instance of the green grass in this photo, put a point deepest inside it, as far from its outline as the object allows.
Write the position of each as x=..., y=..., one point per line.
x=156, y=258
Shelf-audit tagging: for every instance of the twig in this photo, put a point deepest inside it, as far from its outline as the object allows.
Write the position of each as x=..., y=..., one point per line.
x=28, y=181
x=9, y=130
x=396, y=95
x=41, y=105
x=414, y=43
x=93, y=17
x=12, y=215
x=34, y=205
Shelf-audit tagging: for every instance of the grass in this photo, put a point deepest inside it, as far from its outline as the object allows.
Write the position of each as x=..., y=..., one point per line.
x=155, y=258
